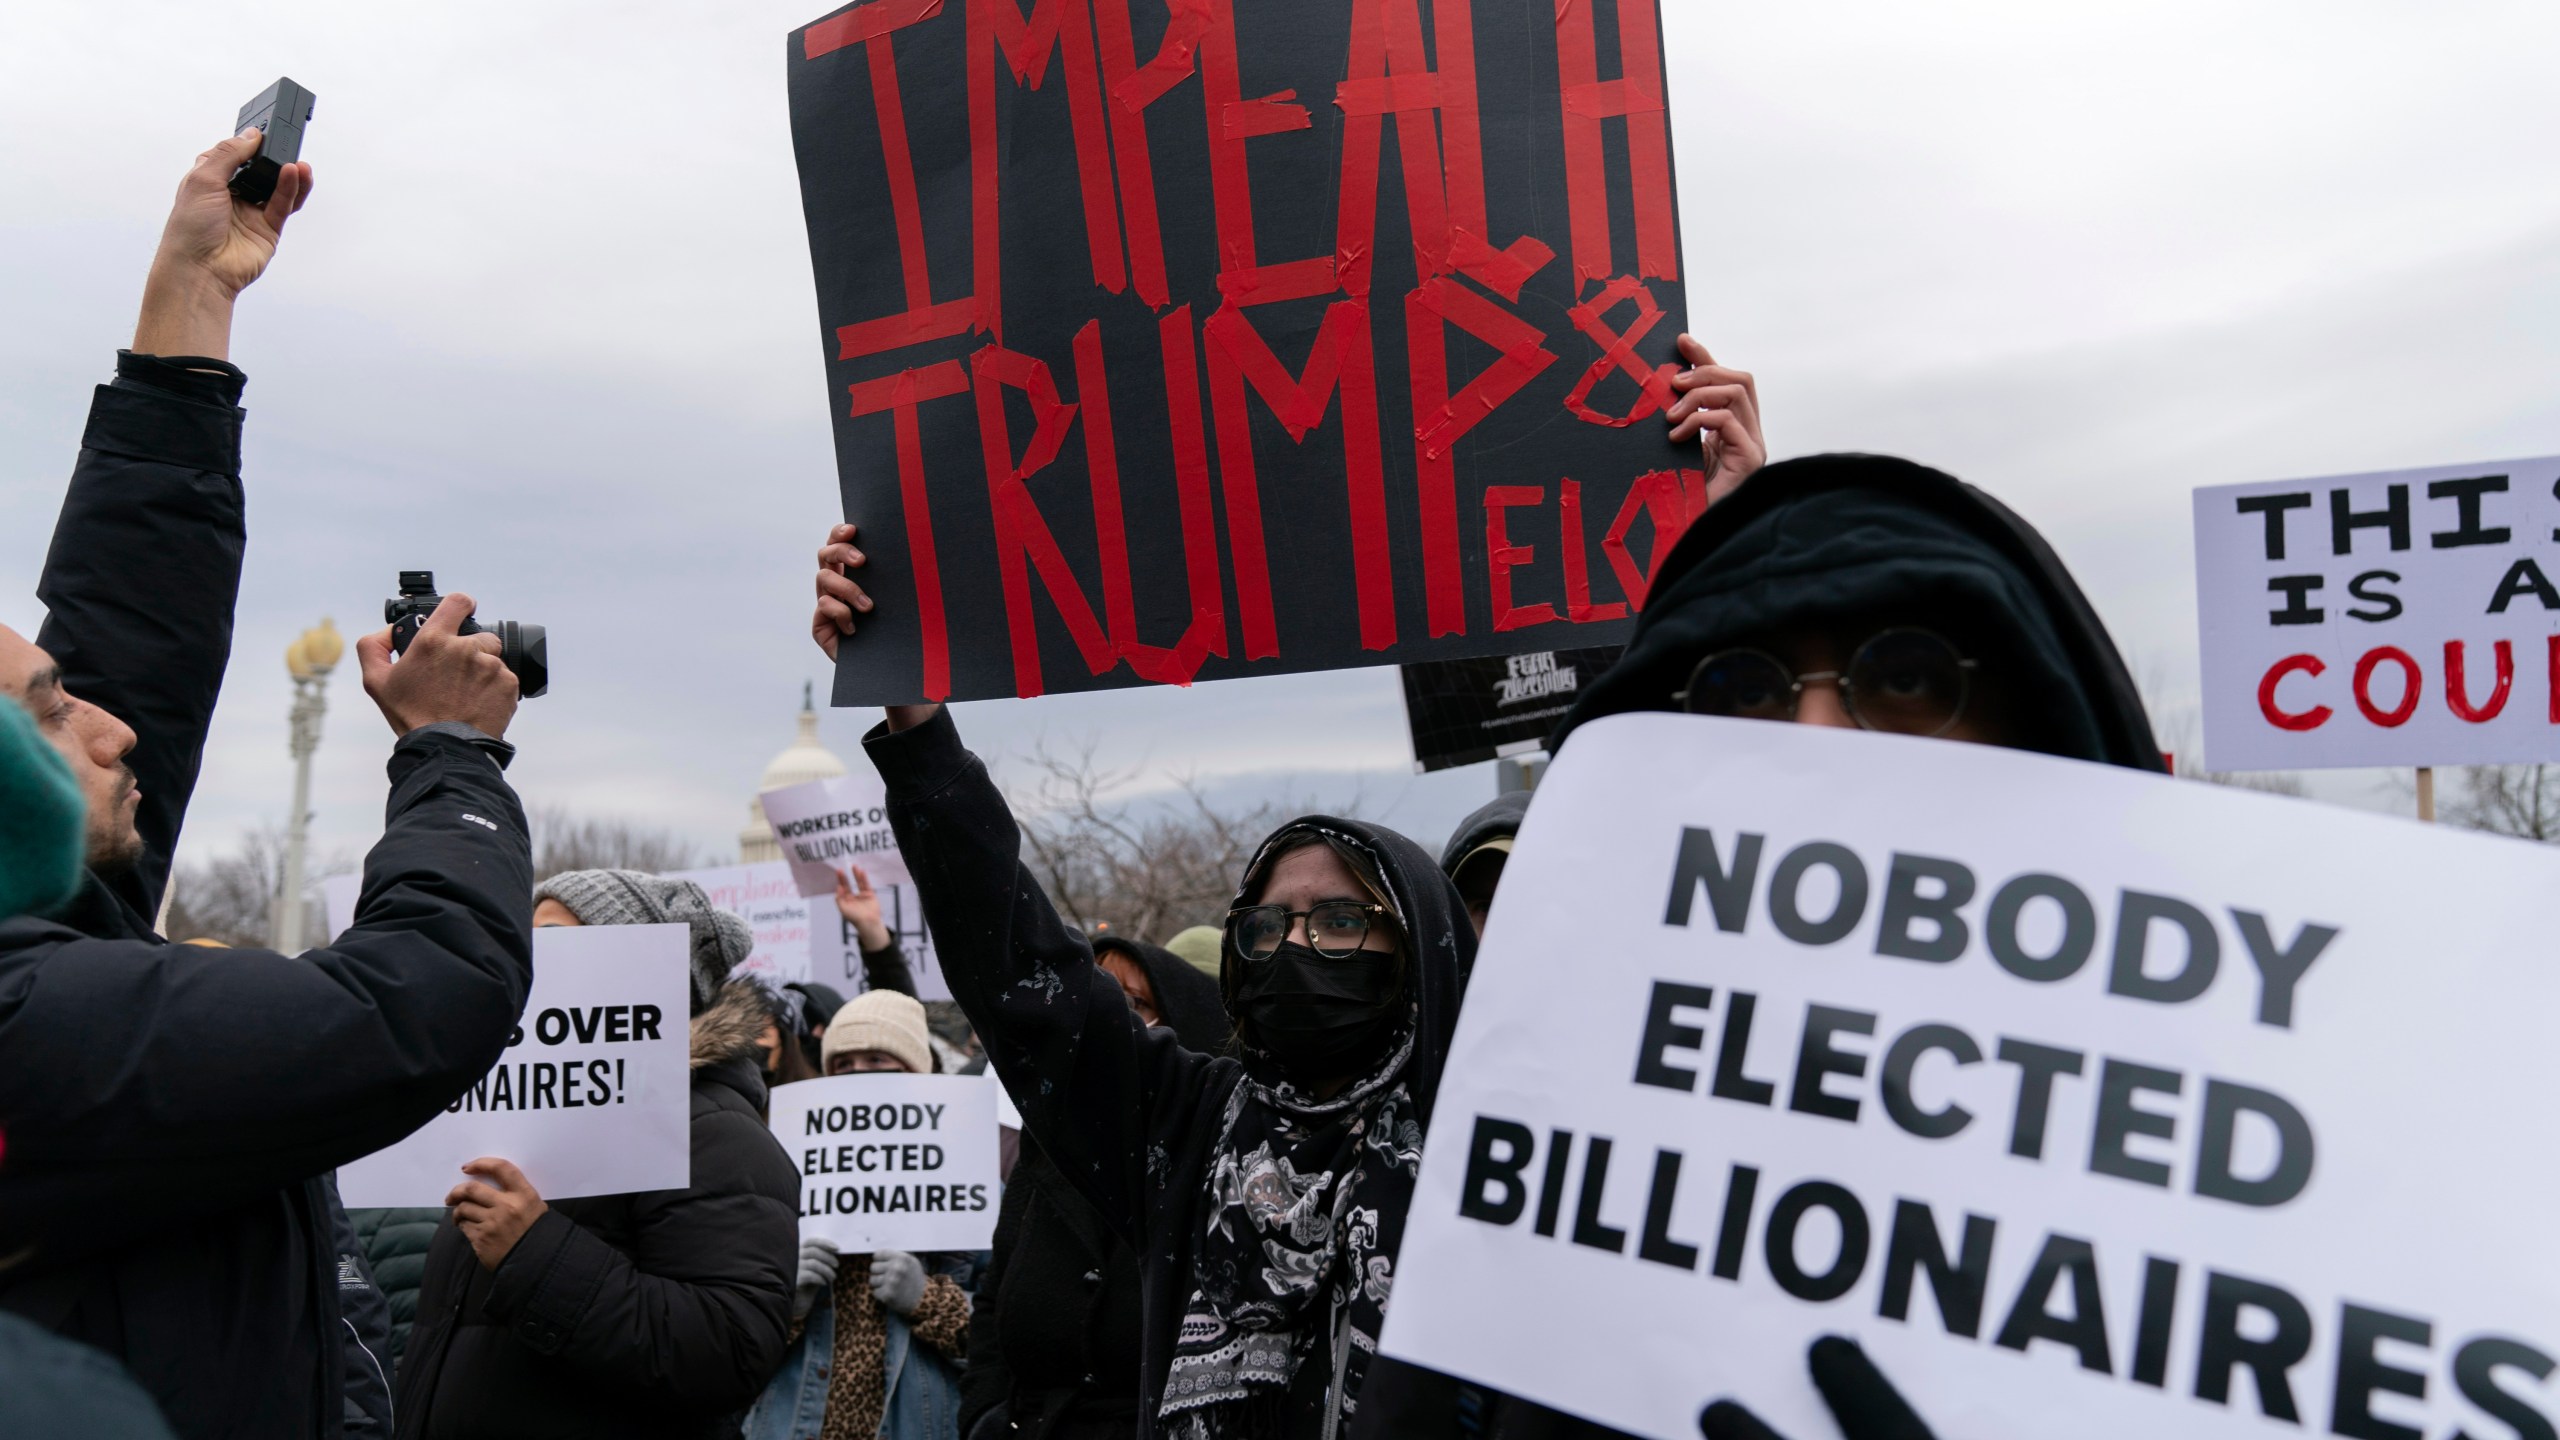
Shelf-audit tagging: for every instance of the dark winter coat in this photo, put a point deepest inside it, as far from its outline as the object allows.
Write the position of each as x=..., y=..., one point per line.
x=170, y=1110
x=659, y=1314
x=395, y=1244
x=1128, y=1114
x=1054, y=1344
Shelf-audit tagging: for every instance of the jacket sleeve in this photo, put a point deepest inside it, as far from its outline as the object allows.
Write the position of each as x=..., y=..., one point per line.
x=698, y=1313
x=149, y=1079
x=142, y=577
x=1097, y=1089
x=887, y=969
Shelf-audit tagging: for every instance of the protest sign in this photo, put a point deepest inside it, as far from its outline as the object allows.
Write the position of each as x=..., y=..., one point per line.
x=2405, y=617
x=1151, y=363
x=826, y=828
x=593, y=1095
x=1465, y=711
x=788, y=932
x=2091, y=1103
x=893, y=1162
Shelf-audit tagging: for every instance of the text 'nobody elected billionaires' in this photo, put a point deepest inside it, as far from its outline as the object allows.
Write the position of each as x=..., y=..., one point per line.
x=2091, y=1102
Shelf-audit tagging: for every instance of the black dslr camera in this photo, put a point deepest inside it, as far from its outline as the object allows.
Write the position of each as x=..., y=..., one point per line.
x=525, y=648
x=279, y=112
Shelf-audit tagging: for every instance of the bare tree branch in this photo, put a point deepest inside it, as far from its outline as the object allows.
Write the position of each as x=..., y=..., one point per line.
x=564, y=840
x=1145, y=867
x=231, y=897
x=2520, y=800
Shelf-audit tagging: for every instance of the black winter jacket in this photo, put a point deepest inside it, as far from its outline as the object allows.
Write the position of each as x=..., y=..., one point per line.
x=1127, y=1113
x=170, y=1110
x=1054, y=1342
x=659, y=1314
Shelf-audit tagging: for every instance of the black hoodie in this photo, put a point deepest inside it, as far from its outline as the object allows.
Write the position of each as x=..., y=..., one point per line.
x=1833, y=534
x=1128, y=1114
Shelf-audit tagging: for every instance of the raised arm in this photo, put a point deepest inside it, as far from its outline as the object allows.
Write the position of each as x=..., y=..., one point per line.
x=1098, y=1090
x=144, y=570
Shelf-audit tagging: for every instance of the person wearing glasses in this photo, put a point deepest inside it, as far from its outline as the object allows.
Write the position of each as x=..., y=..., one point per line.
x=1868, y=591
x=1264, y=1189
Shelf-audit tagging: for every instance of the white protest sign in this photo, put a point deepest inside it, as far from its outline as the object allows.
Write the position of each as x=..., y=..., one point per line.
x=827, y=827
x=786, y=926
x=2092, y=1103
x=2407, y=617
x=592, y=1097
x=893, y=1162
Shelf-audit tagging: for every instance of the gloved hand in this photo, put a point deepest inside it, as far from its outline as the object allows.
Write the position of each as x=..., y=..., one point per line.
x=818, y=1261
x=1861, y=1399
x=897, y=1281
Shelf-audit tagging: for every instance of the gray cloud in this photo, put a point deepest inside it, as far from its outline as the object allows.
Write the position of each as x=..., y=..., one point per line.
x=548, y=328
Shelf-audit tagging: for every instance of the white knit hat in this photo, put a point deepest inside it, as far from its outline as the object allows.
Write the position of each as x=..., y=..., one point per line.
x=881, y=1020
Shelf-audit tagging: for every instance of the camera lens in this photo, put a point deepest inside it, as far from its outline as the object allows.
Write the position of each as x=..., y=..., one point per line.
x=527, y=651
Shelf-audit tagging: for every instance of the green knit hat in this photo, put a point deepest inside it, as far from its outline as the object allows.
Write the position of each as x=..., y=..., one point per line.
x=40, y=819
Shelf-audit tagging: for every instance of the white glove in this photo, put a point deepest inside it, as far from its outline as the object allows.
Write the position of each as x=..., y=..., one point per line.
x=818, y=1260
x=897, y=1281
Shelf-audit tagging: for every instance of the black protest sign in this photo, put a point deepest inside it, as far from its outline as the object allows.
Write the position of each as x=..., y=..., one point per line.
x=1465, y=711
x=1151, y=360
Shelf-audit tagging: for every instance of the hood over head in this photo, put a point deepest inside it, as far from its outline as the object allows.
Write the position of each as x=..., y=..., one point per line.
x=1187, y=999
x=1826, y=536
x=1438, y=945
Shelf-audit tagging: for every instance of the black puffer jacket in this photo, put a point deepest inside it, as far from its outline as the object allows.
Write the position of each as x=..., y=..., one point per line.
x=659, y=1314
x=170, y=1110
x=1054, y=1343
x=1128, y=1114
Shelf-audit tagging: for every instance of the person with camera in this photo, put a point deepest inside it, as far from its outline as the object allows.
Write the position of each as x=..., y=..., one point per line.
x=172, y=1113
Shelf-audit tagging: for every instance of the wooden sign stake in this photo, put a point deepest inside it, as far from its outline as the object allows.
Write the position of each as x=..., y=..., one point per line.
x=2427, y=794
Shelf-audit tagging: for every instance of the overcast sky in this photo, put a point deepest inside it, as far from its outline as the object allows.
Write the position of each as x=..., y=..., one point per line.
x=548, y=328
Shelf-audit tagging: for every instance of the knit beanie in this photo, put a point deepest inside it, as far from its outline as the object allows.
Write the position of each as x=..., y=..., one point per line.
x=41, y=818
x=1199, y=947
x=627, y=897
x=882, y=1020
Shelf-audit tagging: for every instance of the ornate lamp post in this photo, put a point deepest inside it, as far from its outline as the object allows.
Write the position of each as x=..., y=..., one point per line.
x=309, y=659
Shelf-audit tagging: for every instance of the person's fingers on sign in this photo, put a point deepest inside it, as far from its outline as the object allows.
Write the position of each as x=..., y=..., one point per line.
x=494, y=1210
x=859, y=904
x=1860, y=1398
x=445, y=677
x=838, y=597
x=1719, y=407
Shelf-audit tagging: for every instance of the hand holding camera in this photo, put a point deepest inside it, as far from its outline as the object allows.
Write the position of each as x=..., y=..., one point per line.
x=217, y=240
x=442, y=674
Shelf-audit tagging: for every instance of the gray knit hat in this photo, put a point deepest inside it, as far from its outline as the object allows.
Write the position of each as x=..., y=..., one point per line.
x=628, y=897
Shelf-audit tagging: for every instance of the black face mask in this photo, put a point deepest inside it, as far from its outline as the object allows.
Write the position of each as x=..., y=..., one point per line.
x=1323, y=1019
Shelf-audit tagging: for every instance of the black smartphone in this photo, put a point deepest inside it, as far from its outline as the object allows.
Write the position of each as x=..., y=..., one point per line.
x=280, y=112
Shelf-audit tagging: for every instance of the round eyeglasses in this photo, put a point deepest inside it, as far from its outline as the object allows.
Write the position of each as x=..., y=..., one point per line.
x=1336, y=929
x=1904, y=681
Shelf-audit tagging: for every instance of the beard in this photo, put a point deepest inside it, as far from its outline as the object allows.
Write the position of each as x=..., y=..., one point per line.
x=114, y=844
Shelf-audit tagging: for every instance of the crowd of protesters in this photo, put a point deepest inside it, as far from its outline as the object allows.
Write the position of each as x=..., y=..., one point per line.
x=1220, y=1140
